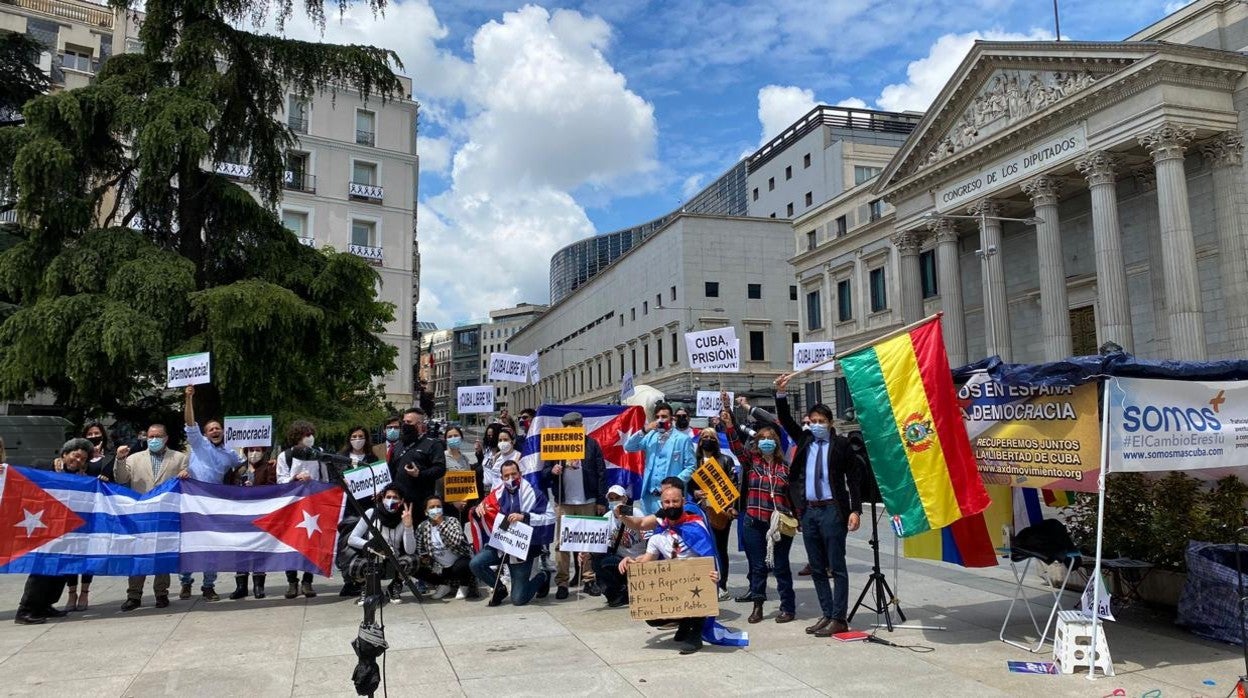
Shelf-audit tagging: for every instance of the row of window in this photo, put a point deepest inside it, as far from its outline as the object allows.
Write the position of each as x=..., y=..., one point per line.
x=365, y=237
x=878, y=287
x=297, y=118
x=875, y=212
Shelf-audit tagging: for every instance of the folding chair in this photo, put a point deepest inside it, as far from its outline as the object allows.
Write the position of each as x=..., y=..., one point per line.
x=1048, y=542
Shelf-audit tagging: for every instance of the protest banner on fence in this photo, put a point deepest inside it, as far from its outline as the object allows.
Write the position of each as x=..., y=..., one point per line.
x=563, y=443
x=459, y=486
x=716, y=349
x=367, y=480
x=243, y=432
x=720, y=490
x=672, y=589
x=709, y=404
x=807, y=354
x=1162, y=425
x=515, y=540
x=475, y=399
x=584, y=534
x=188, y=369
x=508, y=367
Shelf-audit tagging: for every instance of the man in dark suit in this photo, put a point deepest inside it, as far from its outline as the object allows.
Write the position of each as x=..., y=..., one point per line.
x=580, y=488
x=824, y=482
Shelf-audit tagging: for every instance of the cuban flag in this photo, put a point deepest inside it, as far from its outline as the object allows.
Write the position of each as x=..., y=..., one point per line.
x=696, y=534
x=609, y=425
x=70, y=524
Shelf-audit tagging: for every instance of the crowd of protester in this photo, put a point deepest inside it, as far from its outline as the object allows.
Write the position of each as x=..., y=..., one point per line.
x=812, y=486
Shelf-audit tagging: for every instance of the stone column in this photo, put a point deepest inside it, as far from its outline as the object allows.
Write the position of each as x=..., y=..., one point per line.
x=827, y=315
x=1054, y=307
x=1114, y=306
x=996, y=304
x=949, y=283
x=1226, y=155
x=1166, y=144
x=908, y=243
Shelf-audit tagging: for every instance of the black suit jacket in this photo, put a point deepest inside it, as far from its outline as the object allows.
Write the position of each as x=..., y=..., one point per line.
x=595, y=467
x=429, y=457
x=844, y=468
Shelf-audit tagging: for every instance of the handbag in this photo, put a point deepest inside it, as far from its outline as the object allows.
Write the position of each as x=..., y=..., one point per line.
x=788, y=524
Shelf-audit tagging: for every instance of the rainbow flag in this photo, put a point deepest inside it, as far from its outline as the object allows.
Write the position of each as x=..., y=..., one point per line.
x=908, y=410
x=971, y=541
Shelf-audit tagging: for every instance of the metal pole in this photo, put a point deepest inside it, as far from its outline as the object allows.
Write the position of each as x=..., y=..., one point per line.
x=1100, y=530
x=1057, y=23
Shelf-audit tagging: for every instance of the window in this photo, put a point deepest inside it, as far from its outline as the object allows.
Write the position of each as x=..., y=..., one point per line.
x=879, y=291
x=877, y=209
x=364, y=233
x=771, y=184
x=298, y=167
x=814, y=394
x=296, y=222
x=806, y=160
x=810, y=240
x=364, y=173
x=862, y=173
x=757, y=346
x=658, y=301
x=712, y=289
x=658, y=352
x=675, y=358
x=844, y=301
x=793, y=293
x=810, y=198
x=634, y=362
x=632, y=314
x=297, y=114
x=755, y=194
x=844, y=401
x=673, y=294
x=754, y=291
x=788, y=210
x=814, y=313
x=621, y=365
x=79, y=60
x=927, y=273
x=645, y=307
x=621, y=319
x=645, y=358
x=788, y=173
x=794, y=338
x=365, y=127
x=842, y=226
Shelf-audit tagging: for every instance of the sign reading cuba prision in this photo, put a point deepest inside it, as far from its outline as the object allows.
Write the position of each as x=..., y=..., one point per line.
x=1028, y=162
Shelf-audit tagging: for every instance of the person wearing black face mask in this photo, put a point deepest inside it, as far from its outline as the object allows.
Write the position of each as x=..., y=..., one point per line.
x=99, y=464
x=394, y=522
x=418, y=462
x=721, y=523
x=680, y=422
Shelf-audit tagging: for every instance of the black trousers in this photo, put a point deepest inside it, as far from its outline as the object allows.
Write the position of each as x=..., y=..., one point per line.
x=689, y=630
x=458, y=574
x=607, y=571
x=42, y=592
x=292, y=577
x=721, y=551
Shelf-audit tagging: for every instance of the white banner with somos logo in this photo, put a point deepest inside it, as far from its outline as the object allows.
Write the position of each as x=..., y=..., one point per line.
x=1163, y=425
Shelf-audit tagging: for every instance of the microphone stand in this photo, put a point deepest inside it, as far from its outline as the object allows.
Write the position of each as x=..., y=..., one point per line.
x=1241, y=686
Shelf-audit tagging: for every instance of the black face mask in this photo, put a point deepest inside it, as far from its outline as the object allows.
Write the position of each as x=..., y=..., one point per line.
x=409, y=432
x=682, y=422
x=670, y=513
x=95, y=440
x=710, y=446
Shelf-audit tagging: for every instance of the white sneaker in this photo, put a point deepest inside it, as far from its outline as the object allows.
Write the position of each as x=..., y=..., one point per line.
x=724, y=595
x=360, y=601
x=461, y=594
x=442, y=592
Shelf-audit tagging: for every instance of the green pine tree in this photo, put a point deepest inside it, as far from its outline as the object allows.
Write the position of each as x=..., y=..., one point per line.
x=131, y=248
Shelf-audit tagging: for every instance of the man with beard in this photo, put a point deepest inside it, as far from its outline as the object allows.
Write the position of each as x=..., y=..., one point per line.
x=417, y=461
x=210, y=461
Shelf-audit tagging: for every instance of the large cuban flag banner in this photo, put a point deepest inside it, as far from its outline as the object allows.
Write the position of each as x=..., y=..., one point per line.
x=609, y=425
x=57, y=523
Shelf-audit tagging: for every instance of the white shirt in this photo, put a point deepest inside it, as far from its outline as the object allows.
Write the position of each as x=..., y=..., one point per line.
x=632, y=543
x=441, y=553
x=573, y=478
x=286, y=472
x=662, y=544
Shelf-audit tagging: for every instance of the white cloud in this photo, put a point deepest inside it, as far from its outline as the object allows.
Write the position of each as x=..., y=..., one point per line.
x=779, y=106
x=1172, y=7
x=852, y=103
x=926, y=76
x=435, y=154
x=692, y=185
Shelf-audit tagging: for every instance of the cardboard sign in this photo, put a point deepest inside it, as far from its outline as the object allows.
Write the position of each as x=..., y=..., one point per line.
x=476, y=399
x=514, y=541
x=584, y=534
x=188, y=369
x=508, y=367
x=459, y=486
x=672, y=589
x=242, y=432
x=709, y=404
x=716, y=350
x=807, y=354
x=564, y=443
x=721, y=491
x=626, y=386
x=535, y=369
x=367, y=480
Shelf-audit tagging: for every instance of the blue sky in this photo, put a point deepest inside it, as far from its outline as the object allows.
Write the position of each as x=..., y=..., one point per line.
x=544, y=123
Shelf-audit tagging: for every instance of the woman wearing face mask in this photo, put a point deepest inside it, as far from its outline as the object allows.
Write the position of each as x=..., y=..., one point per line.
x=300, y=436
x=504, y=450
x=394, y=521
x=359, y=447
x=458, y=460
x=765, y=475
x=721, y=523
x=99, y=464
x=257, y=470
x=444, y=553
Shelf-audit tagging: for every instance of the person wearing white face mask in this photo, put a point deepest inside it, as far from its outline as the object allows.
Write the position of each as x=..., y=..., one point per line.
x=394, y=521
x=290, y=468
x=459, y=459
x=443, y=553
x=257, y=470
x=504, y=450
x=359, y=447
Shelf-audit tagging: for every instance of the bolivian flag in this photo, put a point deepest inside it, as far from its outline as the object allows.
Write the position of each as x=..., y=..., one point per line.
x=908, y=411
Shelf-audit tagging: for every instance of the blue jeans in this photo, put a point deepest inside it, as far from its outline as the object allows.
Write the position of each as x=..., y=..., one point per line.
x=823, y=531
x=754, y=533
x=523, y=589
x=210, y=579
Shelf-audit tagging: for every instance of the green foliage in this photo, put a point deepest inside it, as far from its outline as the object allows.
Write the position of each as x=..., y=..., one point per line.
x=1153, y=518
x=20, y=77
x=131, y=248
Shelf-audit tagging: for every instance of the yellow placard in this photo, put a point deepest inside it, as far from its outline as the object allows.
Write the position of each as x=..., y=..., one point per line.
x=459, y=486
x=672, y=589
x=565, y=443
x=720, y=490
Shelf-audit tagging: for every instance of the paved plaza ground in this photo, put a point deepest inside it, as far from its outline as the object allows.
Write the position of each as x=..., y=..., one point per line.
x=275, y=647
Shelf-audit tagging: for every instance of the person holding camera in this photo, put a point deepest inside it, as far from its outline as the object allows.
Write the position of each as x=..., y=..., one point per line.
x=443, y=553
x=625, y=542
x=418, y=461
x=669, y=453
x=393, y=519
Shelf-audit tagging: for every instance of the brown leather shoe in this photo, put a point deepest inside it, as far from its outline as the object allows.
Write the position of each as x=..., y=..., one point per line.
x=804, y=572
x=784, y=617
x=819, y=625
x=833, y=628
x=757, y=615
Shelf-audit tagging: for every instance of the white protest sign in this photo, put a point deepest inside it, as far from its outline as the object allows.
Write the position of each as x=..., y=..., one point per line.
x=709, y=404
x=807, y=354
x=584, y=534
x=731, y=365
x=1103, y=607
x=367, y=480
x=188, y=369
x=1162, y=425
x=475, y=399
x=508, y=367
x=626, y=386
x=241, y=432
x=711, y=347
x=535, y=369
x=514, y=541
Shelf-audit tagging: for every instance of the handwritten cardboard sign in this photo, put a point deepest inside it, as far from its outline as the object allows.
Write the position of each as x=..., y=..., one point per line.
x=721, y=491
x=563, y=443
x=459, y=486
x=514, y=541
x=672, y=589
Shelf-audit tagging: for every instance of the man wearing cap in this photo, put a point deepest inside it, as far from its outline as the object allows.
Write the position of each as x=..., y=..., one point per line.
x=625, y=542
x=580, y=487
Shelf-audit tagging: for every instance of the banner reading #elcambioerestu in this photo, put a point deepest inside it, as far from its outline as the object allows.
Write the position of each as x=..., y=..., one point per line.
x=1033, y=436
x=1164, y=425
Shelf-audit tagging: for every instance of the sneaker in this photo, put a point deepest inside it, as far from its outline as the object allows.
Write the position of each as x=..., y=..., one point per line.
x=395, y=591
x=185, y=594
x=561, y=593
x=130, y=605
x=499, y=595
x=543, y=585
x=162, y=601
x=210, y=594
x=724, y=594
x=461, y=593
x=360, y=601
x=443, y=591
x=474, y=592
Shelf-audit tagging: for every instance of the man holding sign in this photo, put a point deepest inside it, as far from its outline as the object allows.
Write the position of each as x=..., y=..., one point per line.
x=514, y=501
x=580, y=486
x=211, y=461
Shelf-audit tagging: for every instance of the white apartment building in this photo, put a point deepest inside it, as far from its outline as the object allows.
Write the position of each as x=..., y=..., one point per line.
x=436, y=353
x=495, y=337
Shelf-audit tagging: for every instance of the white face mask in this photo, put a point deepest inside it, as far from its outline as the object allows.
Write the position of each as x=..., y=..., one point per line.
x=308, y=441
x=357, y=444
x=504, y=446
x=254, y=457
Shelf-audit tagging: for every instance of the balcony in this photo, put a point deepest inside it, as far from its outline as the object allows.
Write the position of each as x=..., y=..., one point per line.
x=372, y=254
x=299, y=181
x=234, y=170
x=298, y=124
x=67, y=10
x=367, y=138
x=366, y=192
x=310, y=242
x=9, y=216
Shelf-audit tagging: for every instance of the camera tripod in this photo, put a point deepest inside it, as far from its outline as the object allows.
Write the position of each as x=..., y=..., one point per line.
x=1241, y=687
x=877, y=584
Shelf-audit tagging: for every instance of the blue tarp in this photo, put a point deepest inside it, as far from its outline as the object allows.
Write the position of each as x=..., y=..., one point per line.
x=1082, y=369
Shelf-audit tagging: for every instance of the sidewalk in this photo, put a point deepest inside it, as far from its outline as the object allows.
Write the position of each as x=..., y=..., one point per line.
x=276, y=647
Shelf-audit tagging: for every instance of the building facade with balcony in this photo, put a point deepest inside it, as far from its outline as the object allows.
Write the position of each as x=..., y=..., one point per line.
x=78, y=35
x=436, y=369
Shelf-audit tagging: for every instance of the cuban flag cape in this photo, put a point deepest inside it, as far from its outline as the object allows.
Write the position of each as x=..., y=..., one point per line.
x=694, y=531
x=58, y=523
x=532, y=500
x=609, y=425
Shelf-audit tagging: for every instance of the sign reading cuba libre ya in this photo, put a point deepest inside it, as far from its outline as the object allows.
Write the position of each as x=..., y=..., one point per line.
x=1026, y=162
